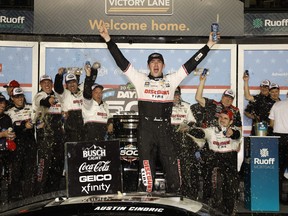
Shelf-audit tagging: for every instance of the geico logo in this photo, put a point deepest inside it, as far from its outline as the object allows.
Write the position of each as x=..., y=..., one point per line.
x=93, y=178
x=129, y=152
x=264, y=161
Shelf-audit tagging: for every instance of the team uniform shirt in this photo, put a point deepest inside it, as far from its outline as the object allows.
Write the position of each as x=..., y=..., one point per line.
x=214, y=108
x=217, y=140
x=181, y=113
x=261, y=107
x=71, y=101
x=54, y=109
x=155, y=96
x=279, y=114
x=20, y=116
x=155, y=90
x=94, y=112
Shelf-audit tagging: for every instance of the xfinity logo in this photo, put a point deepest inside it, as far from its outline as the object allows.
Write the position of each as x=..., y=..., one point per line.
x=12, y=20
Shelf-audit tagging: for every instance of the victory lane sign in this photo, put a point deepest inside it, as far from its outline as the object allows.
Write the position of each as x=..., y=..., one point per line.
x=92, y=168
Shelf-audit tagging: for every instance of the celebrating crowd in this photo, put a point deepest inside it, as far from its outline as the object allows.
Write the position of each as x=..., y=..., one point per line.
x=190, y=141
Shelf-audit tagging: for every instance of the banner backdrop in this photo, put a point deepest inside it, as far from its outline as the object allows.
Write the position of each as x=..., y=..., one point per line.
x=19, y=61
x=118, y=93
x=263, y=62
x=266, y=24
x=134, y=17
x=16, y=21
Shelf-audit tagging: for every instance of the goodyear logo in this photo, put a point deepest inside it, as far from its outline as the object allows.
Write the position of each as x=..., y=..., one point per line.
x=139, y=7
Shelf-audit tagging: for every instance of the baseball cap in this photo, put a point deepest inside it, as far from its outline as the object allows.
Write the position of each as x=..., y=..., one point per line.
x=96, y=85
x=2, y=97
x=155, y=56
x=70, y=77
x=229, y=92
x=228, y=112
x=17, y=91
x=274, y=86
x=45, y=77
x=178, y=90
x=265, y=83
x=12, y=83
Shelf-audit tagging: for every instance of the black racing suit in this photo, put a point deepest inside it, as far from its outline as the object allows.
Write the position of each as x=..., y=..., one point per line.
x=155, y=102
x=24, y=157
x=50, y=144
x=5, y=160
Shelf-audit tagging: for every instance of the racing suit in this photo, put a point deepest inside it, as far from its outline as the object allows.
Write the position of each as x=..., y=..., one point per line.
x=223, y=157
x=155, y=102
x=95, y=115
x=24, y=157
x=185, y=148
x=212, y=109
x=50, y=143
x=72, y=110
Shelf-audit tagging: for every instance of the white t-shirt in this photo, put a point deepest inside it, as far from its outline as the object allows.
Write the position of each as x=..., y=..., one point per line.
x=279, y=113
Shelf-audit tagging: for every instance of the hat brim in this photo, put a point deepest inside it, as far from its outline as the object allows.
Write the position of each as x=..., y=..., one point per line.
x=228, y=96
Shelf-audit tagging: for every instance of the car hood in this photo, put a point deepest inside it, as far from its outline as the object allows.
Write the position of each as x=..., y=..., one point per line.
x=115, y=204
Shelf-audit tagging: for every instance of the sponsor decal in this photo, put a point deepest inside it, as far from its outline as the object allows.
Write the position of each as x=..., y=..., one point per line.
x=129, y=153
x=198, y=57
x=264, y=161
x=93, y=168
x=94, y=153
x=146, y=174
x=126, y=208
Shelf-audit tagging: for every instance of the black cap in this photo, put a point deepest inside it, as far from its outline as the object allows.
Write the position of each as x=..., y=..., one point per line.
x=155, y=56
x=2, y=98
x=96, y=85
x=178, y=90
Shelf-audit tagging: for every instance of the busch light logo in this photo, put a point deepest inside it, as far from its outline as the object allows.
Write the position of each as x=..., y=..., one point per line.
x=264, y=161
x=94, y=153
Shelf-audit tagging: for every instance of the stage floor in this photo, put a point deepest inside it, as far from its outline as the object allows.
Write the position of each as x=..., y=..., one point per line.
x=242, y=211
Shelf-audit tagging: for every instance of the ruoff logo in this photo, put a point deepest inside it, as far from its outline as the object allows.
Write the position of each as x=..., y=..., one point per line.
x=264, y=160
x=257, y=23
x=12, y=20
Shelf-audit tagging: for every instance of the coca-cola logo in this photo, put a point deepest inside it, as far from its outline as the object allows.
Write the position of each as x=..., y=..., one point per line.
x=101, y=166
